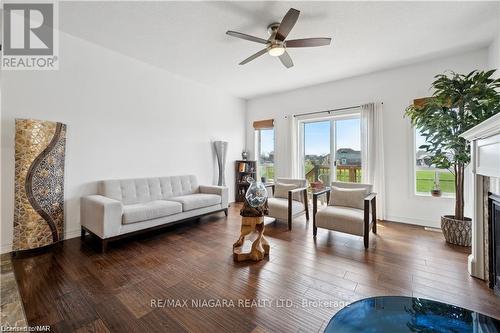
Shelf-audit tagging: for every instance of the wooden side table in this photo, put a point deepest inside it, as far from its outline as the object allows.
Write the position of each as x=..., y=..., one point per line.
x=259, y=248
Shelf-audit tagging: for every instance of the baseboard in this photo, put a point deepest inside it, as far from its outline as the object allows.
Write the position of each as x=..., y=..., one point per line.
x=6, y=248
x=409, y=220
x=72, y=234
x=433, y=229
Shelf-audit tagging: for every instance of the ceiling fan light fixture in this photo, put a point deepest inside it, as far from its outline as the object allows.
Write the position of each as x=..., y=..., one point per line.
x=276, y=50
x=277, y=43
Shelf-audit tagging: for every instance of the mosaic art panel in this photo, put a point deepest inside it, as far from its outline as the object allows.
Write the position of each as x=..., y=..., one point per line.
x=39, y=183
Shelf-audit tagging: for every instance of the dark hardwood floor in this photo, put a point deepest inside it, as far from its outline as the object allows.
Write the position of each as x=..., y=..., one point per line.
x=76, y=288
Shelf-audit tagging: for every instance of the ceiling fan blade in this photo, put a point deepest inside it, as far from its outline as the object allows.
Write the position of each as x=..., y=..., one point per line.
x=308, y=42
x=247, y=37
x=254, y=56
x=287, y=24
x=286, y=60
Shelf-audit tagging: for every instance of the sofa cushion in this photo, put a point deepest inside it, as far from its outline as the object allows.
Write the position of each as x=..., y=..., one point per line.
x=149, y=210
x=344, y=219
x=197, y=200
x=278, y=208
x=347, y=197
x=138, y=190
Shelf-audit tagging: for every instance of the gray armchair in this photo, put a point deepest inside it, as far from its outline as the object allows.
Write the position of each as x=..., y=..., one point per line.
x=348, y=210
x=288, y=199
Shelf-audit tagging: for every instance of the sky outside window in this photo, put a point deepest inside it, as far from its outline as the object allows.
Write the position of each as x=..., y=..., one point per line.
x=317, y=136
x=266, y=141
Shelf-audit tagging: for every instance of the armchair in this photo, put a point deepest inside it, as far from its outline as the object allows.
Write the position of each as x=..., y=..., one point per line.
x=288, y=200
x=348, y=210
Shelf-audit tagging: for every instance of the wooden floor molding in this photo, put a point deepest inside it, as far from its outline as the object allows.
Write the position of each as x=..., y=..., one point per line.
x=297, y=289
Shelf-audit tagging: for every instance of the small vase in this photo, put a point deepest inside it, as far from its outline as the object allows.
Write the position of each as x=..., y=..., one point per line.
x=436, y=193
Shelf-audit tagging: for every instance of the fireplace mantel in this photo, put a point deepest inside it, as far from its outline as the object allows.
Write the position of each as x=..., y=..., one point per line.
x=485, y=162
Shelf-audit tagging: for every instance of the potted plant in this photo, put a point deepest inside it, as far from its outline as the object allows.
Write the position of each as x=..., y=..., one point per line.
x=459, y=102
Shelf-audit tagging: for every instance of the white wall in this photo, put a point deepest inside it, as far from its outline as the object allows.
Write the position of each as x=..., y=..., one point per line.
x=124, y=119
x=494, y=54
x=396, y=88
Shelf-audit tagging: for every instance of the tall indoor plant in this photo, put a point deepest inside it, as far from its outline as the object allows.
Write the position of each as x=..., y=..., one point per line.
x=459, y=102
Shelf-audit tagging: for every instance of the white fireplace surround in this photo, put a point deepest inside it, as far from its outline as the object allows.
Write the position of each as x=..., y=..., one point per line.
x=485, y=162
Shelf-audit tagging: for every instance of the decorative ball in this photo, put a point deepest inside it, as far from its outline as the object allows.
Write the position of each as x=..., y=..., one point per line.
x=256, y=194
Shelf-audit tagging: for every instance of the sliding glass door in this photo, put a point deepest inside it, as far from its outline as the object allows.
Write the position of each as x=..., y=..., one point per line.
x=347, y=150
x=331, y=149
x=316, y=151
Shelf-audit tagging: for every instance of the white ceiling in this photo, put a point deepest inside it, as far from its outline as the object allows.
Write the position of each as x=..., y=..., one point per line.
x=188, y=38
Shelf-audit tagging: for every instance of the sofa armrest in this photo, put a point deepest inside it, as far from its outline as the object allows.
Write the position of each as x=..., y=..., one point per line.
x=101, y=215
x=223, y=191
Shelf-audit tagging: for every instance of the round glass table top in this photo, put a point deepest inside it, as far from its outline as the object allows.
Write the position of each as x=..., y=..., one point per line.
x=396, y=314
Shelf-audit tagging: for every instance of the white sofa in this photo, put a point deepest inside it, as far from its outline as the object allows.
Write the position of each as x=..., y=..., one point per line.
x=127, y=206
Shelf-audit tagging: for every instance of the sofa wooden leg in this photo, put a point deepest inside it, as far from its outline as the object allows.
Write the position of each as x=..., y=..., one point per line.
x=225, y=211
x=104, y=245
x=374, y=226
x=82, y=235
x=366, y=239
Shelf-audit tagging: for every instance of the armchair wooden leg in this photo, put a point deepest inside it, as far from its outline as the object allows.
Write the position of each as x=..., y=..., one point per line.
x=374, y=216
x=306, y=205
x=289, y=211
x=315, y=210
x=225, y=211
x=366, y=234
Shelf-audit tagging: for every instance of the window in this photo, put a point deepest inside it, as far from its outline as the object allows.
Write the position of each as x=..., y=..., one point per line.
x=427, y=176
x=264, y=147
x=331, y=148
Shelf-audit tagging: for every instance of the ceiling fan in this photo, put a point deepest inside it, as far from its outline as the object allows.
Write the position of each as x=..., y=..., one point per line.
x=276, y=44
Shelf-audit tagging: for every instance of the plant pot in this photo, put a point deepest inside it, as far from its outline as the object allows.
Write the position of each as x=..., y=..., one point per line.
x=458, y=232
x=436, y=193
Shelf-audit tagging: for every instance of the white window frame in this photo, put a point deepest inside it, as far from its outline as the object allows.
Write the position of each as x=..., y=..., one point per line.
x=415, y=169
x=334, y=116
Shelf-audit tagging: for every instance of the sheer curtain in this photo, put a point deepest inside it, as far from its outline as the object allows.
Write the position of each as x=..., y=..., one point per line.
x=372, y=152
x=293, y=146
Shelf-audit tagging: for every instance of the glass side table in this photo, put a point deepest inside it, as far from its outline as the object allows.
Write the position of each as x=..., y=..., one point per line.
x=401, y=314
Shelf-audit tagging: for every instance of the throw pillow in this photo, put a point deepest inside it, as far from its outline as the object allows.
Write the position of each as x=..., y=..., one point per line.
x=347, y=197
x=281, y=190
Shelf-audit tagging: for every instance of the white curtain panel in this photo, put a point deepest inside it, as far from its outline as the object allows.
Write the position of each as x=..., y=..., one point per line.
x=372, y=152
x=293, y=144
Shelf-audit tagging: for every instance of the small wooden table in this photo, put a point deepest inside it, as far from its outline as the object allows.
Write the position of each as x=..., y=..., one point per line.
x=248, y=250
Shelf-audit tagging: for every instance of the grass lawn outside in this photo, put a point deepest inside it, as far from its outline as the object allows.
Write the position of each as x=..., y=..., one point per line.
x=425, y=181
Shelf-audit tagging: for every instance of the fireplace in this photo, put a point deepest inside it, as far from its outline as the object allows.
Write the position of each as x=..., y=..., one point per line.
x=485, y=148
x=494, y=242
